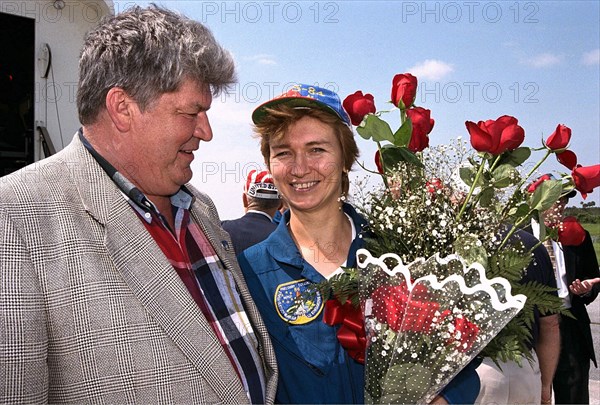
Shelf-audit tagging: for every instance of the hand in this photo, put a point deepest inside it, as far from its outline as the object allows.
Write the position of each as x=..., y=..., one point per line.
x=439, y=400
x=583, y=287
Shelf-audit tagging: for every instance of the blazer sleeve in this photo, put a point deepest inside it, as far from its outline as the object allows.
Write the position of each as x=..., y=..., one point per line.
x=23, y=327
x=588, y=267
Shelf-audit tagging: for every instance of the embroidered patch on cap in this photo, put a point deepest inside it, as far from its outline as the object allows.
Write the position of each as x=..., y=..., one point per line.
x=295, y=305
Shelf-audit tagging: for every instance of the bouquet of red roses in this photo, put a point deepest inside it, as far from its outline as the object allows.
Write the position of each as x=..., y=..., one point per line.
x=440, y=280
x=423, y=329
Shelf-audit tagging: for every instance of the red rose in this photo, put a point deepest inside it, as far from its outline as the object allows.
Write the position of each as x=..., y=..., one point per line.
x=570, y=232
x=358, y=105
x=533, y=186
x=433, y=185
x=378, y=162
x=465, y=333
x=496, y=136
x=560, y=138
x=401, y=310
x=422, y=124
x=404, y=87
x=586, y=178
x=567, y=158
x=419, y=315
x=389, y=303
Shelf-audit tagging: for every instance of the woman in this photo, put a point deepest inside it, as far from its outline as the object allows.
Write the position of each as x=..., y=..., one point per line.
x=308, y=145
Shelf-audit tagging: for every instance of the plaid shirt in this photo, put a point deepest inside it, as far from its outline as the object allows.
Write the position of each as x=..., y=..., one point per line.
x=206, y=278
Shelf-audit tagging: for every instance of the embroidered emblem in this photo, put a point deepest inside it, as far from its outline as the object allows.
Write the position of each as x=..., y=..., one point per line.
x=294, y=305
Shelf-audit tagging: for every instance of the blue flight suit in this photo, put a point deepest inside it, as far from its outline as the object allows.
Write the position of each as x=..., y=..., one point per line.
x=313, y=366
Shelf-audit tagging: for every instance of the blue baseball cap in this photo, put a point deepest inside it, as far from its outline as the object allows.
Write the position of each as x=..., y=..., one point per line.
x=302, y=96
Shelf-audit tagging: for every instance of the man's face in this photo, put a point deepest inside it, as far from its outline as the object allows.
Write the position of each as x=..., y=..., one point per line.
x=162, y=140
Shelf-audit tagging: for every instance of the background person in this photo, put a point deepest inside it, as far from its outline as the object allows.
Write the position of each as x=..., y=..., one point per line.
x=530, y=382
x=309, y=148
x=573, y=266
x=261, y=202
x=116, y=283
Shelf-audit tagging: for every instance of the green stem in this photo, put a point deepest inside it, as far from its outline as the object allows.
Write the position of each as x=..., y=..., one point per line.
x=524, y=179
x=466, y=201
x=382, y=163
x=496, y=161
x=548, y=153
x=492, y=167
x=514, y=228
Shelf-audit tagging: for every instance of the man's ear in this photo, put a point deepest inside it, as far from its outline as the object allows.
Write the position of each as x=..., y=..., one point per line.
x=119, y=107
x=245, y=200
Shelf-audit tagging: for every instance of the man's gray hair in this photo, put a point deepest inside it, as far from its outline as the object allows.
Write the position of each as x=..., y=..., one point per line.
x=148, y=52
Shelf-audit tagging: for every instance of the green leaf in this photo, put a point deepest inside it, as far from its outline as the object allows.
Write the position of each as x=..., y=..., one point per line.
x=546, y=195
x=486, y=196
x=403, y=134
x=467, y=174
x=392, y=155
x=516, y=157
x=519, y=211
x=374, y=127
x=504, y=175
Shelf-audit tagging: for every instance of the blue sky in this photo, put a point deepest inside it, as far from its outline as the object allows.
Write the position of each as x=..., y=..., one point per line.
x=475, y=60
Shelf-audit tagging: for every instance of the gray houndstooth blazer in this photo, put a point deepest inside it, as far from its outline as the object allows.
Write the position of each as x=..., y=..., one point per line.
x=90, y=309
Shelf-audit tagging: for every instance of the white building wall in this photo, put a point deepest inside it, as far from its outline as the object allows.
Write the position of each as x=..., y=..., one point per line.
x=63, y=30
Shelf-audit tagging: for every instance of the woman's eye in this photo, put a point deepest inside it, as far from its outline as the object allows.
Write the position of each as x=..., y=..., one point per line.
x=282, y=154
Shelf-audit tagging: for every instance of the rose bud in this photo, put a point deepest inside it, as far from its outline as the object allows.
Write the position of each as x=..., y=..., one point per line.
x=567, y=158
x=422, y=124
x=570, y=232
x=533, y=186
x=404, y=87
x=378, y=162
x=586, y=178
x=433, y=185
x=560, y=138
x=358, y=105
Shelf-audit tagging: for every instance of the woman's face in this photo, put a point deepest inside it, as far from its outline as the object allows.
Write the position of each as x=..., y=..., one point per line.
x=307, y=165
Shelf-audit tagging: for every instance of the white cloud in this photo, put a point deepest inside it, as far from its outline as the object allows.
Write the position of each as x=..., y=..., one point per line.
x=263, y=59
x=542, y=60
x=591, y=58
x=431, y=69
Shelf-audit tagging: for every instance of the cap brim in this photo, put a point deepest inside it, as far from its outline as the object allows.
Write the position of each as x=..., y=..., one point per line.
x=297, y=101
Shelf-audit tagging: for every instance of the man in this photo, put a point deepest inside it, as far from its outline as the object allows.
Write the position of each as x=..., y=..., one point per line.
x=576, y=267
x=116, y=281
x=261, y=202
x=530, y=382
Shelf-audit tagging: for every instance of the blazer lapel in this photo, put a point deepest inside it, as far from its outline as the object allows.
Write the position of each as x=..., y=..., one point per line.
x=152, y=279
x=206, y=217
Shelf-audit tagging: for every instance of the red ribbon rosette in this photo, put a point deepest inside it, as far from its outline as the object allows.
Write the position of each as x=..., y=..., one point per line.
x=351, y=334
